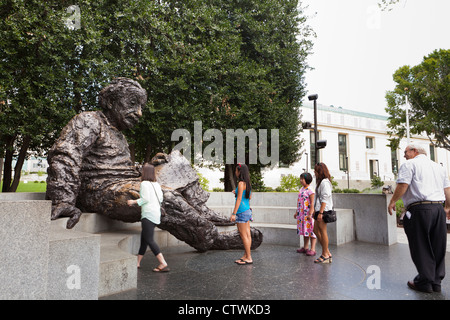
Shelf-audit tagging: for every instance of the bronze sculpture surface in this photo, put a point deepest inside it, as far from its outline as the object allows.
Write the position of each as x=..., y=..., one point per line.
x=90, y=170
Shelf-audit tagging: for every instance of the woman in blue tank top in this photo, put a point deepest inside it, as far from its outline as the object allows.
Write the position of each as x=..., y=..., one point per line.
x=242, y=213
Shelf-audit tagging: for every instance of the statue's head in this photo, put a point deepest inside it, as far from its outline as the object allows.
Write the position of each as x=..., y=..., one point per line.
x=122, y=102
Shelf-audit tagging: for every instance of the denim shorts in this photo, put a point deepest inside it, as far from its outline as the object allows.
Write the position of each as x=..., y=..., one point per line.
x=244, y=216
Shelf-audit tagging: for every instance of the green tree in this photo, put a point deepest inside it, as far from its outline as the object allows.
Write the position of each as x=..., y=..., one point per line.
x=51, y=70
x=191, y=46
x=36, y=55
x=387, y=4
x=230, y=64
x=427, y=87
x=266, y=86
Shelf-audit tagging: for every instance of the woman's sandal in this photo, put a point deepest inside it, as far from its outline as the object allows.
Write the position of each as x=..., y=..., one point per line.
x=242, y=262
x=322, y=259
x=158, y=269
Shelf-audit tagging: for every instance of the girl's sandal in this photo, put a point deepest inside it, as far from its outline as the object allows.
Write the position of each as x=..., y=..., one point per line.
x=322, y=259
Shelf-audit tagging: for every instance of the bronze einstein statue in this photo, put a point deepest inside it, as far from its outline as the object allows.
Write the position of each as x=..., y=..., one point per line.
x=90, y=170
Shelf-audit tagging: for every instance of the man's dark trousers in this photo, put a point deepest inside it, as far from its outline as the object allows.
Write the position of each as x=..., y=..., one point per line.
x=427, y=236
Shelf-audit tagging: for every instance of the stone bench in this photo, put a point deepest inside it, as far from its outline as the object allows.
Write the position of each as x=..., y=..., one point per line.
x=279, y=226
x=119, y=246
x=264, y=214
x=371, y=221
x=73, y=266
x=117, y=267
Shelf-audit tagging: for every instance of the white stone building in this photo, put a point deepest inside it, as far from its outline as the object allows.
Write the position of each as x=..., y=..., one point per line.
x=355, y=140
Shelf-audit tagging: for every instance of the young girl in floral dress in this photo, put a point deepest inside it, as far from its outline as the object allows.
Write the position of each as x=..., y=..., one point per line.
x=304, y=215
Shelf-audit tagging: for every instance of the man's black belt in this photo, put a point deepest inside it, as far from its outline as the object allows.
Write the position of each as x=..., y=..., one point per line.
x=423, y=202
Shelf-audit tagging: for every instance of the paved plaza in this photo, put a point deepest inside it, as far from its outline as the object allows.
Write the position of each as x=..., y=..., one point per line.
x=359, y=271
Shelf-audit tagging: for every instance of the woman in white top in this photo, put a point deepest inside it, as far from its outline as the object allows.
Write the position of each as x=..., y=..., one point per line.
x=150, y=200
x=324, y=202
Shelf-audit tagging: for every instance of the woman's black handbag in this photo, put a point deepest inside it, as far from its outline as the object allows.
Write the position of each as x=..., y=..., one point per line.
x=327, y=216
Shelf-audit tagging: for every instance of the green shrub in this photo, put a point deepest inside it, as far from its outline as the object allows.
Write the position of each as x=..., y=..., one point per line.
x=350, y=191
x=290, y=183
x=203, y=182
x=399, y=207
x=376, y=182
x=337, y=190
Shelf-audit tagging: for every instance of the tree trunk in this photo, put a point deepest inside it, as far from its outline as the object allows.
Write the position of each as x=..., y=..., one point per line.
x=229, y=177
x=7, y=166
x=1, y=164
x=132, y=148
x=19, y=163
x=148, y=153
x=1, y=167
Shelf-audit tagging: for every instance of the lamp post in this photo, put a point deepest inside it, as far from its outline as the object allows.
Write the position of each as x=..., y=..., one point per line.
x=318, y=144
x=408, y=137
x=313, y=97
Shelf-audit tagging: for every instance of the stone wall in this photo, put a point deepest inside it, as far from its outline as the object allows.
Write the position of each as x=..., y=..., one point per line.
x=372, y=222
x=39, y=259
x=24, y=249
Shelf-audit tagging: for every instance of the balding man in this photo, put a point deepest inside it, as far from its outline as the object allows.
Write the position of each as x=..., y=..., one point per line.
x=424, y=186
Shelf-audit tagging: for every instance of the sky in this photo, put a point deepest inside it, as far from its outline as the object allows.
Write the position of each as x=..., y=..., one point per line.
x=359, y=47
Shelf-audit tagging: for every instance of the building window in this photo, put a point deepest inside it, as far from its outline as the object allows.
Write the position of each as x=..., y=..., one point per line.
x=369, y=143
x=342, y=138
x=432, y=152
x=373, y=167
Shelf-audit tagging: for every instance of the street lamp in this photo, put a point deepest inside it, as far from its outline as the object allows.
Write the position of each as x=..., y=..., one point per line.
x=313, y=97
x=318, y=144
x=408, y=136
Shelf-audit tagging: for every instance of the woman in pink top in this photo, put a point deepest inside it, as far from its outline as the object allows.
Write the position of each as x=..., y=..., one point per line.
x=305, y=221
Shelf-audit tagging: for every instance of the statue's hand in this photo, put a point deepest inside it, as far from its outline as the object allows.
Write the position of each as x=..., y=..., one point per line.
x=67, y=210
